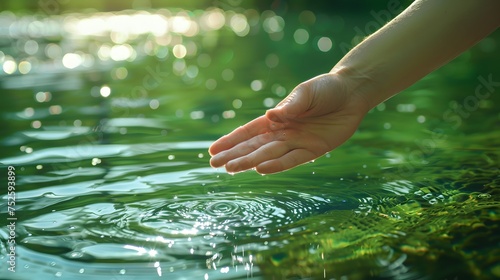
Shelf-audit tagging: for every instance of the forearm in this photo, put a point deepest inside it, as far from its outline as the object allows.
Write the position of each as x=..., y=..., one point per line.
x=425, y=36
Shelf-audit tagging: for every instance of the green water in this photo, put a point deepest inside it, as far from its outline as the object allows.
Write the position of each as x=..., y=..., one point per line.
x=106, y=125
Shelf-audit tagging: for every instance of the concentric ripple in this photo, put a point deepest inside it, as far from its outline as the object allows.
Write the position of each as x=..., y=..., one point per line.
x=225, y=211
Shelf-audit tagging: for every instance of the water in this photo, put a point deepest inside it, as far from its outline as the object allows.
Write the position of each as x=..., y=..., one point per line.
x=107, y=121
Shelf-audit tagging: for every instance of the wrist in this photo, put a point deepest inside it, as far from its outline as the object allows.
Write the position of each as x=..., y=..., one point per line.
x=359, y=84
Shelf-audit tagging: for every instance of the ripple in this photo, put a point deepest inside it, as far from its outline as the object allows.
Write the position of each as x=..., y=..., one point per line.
x=166, y=228
x=250, y=213
x=222, y=208
x=86, y=151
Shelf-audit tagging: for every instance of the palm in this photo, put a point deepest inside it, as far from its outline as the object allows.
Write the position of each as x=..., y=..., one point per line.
x=322, y=117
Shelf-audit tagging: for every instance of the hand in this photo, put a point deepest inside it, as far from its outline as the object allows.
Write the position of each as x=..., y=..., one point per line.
x=315, y=118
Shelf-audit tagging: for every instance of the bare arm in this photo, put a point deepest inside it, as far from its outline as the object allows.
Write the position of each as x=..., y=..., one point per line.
x=422, y=38
x=322, y=113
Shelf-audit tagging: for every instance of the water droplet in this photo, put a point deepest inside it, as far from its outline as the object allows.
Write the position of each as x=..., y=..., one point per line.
x=96, y=161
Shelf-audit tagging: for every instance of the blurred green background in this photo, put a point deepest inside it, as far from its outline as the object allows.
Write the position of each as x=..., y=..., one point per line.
x=108, y=130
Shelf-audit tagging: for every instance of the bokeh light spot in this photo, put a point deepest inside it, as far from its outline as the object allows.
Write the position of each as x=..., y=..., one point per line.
x=307, y=17
x=268, y=102
x=53, y=51
x=43, y=96
x=214, y=19
x=179, y=67
x=211, y=84
x=257, y=85
x=237, y=103
x=36, y=124
x=119, y=73
x=272, y=60
x=279, y=90
x=77, y=123
x=196, y=115
x=301, y=36
x=179, y=51
x=154, y=104
x=180, y=23
x=105, y=91
x=9, y=66
x=55, y=110
x=239, y=24
x=72, y=60
x=192, y=71
x=31, y=47
x=273, y=24
x=406, y=108
x=24, y=67
x=229, y=114
x=121, y=52
x=29, y=112
x=204, y=60
x=325, y=44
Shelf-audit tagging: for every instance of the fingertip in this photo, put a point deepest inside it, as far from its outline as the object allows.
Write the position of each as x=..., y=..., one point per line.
x=217, y=146
x=276, y=115
x=271, y=115
x=212, y=163
x=211, y=150
x=216, y=161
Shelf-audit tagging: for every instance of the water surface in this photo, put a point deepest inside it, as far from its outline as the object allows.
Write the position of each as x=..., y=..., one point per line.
x=107, y=123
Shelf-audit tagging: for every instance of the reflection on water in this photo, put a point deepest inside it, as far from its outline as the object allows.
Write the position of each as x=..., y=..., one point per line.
x=108, y=118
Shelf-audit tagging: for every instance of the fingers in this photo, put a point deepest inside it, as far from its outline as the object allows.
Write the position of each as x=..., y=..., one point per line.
x=258, y=126
x=238, y=135
x=266, y=152
x=286, y=161
x=244, y=148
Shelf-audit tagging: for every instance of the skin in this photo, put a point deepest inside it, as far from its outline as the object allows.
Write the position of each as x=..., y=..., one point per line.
x=322, y=113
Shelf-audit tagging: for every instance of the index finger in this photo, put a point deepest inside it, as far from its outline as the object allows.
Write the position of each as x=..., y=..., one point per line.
x=255, y=127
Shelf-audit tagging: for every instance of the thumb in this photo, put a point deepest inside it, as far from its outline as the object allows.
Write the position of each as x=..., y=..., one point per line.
x=294, y=105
